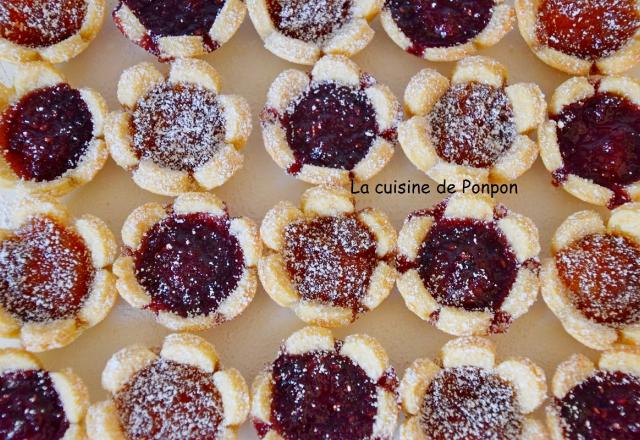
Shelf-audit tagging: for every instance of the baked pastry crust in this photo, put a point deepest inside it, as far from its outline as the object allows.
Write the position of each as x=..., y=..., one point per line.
x=528, y=381
x=103, y=421
x=102, y=294
x=318, y=202
x=521, y=234
x=134, y=85
x=426, y=89
x=38, y=75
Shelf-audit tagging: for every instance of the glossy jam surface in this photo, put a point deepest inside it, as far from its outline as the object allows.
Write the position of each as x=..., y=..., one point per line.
x=170, y=401
x=178, y=126
x=39, y=23
x=46, y=133
x=472, y=124
x=30, y=407
x=189, y=264
x=440, y=23
x=45, y=271
x=310, y=21
x=470, y=403
x=331, y=259
x=602, y=274
x=587, y=29
x=604, y=406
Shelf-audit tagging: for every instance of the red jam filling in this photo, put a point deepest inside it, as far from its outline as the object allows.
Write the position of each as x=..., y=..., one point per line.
x=310, y=21
x=473, y=125
x=30, y=407
x=439, y=23
x=599, y=140
x=189, y=264
x=470, y=403
x=587, y=29
x=604, y=406
x=170, y=401
x=45, y=271
x=602, y=274
x=37, y=23
x=178, y=126
x=331, y=259
x=46, y=133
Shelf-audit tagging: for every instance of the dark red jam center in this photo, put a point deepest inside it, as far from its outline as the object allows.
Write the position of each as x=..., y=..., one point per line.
x=331, y=259
x=588, y=29
x=45, y=271
x=46, y=133
x=178, y=126
x=440, y=23
x=38, y=23
x=30, y=407
x=470, y=403
x=602, y=273
x=189, y=264
x=473, y=125
x=310, y=21
x=170, y=401
x=604, y=406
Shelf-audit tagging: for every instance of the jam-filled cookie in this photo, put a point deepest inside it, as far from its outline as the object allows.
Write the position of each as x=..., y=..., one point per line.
x=39, y=404
x=51, y=134
x=49, y=30
x=321, y=388
x=591, y=142
x=582, y=36
x=189, y=263
x=473, y=127
x=177, y=134
x=327, y=261
x=178, y=392
x=592, y=281
x=331, y=126
x=464, y=395
x=596, y=403
x=55, y=280
x=446, y=30
x=468, y=266
x=179, y=28
x=302, y=31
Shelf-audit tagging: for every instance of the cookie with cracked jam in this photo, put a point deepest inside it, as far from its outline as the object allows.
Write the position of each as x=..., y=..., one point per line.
x=177, y=134
x=326, y=260
x=177, y=392
x=468, y=266
x=592, y=281
x=189, y=263
x=319, y=388
x=331, y=126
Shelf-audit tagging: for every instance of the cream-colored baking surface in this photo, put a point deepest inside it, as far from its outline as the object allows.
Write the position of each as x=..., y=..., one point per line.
x=250, y=341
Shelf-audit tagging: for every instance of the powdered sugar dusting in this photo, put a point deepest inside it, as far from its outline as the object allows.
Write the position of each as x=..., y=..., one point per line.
x=310, y=21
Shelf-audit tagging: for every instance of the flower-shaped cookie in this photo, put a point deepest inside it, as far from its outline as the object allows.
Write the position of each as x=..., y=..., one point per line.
x=474, y=127
x=189, y=263
x=302, y=31
x=327, y=261
x=49, y=30
x=465, y=395
x=446, y=30
x=177, y=134
x=582, y=36
x=174, y=28
x=596, y=403
x=54, y=276
x=178, y=392
x=50, y=133
x=38, y=404
x=332, y=126
x=592, y=281
x=320, y=388
x=591, y=142
x=468, y=266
